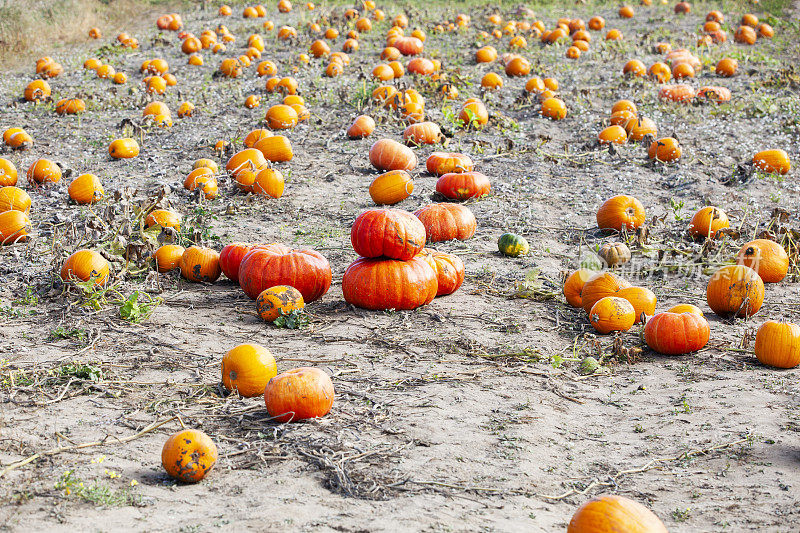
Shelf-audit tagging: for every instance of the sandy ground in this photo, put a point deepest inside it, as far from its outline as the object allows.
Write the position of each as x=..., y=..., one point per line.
x=469, y=414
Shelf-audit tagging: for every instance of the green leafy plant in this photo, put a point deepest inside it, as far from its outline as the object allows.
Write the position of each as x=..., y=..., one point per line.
x=134, y=310
x=294, y=320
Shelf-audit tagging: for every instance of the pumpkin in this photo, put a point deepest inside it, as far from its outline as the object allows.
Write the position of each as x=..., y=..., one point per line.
x=766, y=257
x=707, y=221
x=391, y=233
x=440, y=163
x=772, y=161
x=665, y=150
x=473, y=114
x=269, y=182
x=256, y=135
x=643, y=301
x=86, y=189
x=163, y=218
x=491, y=81
x=444, y=222
x=362, y=126
x=123, y=148
x=37, y=91
x=409, y=46
x=778, y=344
x=14, y=198
x=278, y=301
x=487, y=54
x=391, y=187
x=512, y=245
x=634, y=67
x=378, y=283
x=299, y=394
x=269, y=265
x=614, y=253
x=230, y=258
x=200, y=264
x=612, y=314
x=463, y=185
x=573, y=286
x=600, y=285
x=614, y=35
x=685, y=308
x=745, y=35
x=613, y=135
x=85, y=265
x=622, y=118
x=626, y=12
x=518, y=66
x=554, y=109
x=247, y=368
x=620, y=212
x=735, y=290
x=168, y=257
x=612, y=513
x=190, y=183
x=387, y=154
x=8, y=173
x=14, y=226
x=677, y=93
x=189, y=455
x=248, y=161
x=281, y=117
x=422, y=133
x=44, y=171
x=70, y=106
x=275, y=148
x=714, y=94
x=673, y=333
x=449, y=270
x=660, y=72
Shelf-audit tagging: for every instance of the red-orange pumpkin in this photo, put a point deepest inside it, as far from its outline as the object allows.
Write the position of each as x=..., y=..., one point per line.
x=230, y=257
x=676, y=333
x=444, y=222
x=379, y=283
x=269, y=265
x=299, y=394
x=387, y=154
x=463, y=185
x=391, y=233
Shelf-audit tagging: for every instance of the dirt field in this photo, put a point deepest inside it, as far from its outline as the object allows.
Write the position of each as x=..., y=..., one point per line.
x=469, y=414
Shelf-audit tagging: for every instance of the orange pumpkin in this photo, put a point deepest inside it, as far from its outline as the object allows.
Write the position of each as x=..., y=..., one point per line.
x=299, y=394
x=707, y=221
x=44, y=171
x=123, y=148
x=189, y=455
x=269, y=182
x=14, y=198
x=168, y=257
x=14, y=227
x=766, y=257
x=449, y=270
x=735, y=290
x=391, y=187
x=685, y=308
x=634, y=67
x=422, y=133
x=275, y=148
x=473, y=114
x=440, y=163
x=573, y=286
x=600, y=285
x=387, y=154
x=554, y=109
x=612, y=314
x=620, y=212
x=444, y=222
x=362, y=126
x=278, y=301
x=665, y=150
x=8, y=173
x=677, y=93
x=247, y=368
x=613, y=135
x=163, y=218
x=772, y=161
x=70, y=106
x=643, y=301
x=200, y=264
x=610, y=513
x=463, y=185
x=778, y=344
x=85, y=265
x=86, y=189
x=281, y=117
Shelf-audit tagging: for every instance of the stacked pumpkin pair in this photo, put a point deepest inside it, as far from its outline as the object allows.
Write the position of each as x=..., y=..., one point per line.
x=15, y=204
x=395, y=270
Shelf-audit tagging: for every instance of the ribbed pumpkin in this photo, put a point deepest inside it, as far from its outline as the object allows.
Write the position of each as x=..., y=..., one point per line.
x=391, y=187
x=449, y=270
x=70, y=106
x=230, y=258
x=735, y=290
x=444, y=222
x=677, y=93
x=440, y=163
x=299, y=394
x=573, y=286
x=86, y=189
x=707, y=221
x=666, y=150
x=673, y=333
x=620, y=212
x=714, y=94
x=422, y=133
x=772, y=161
x=391, y=233
x=14, y=227
x=463, y=185
x=612, y=314
x=362, y=126
x=387, y=154
x=609, y=513
x=8, y=173
x=200, y=264
x=44, y=171
x=269, y=182
x=163, y=218
x=168, y=257
x=599, y=286
x=269, y=265
x=277, y=301
x=378, y=283
x=123, y=148
x=642, y=299
x=778, y=344
x=14, y=198
x=281, y=117
x=766, y=257
x=189, y=455
x=247, y=368
x=685, y=308
x=85, y=265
